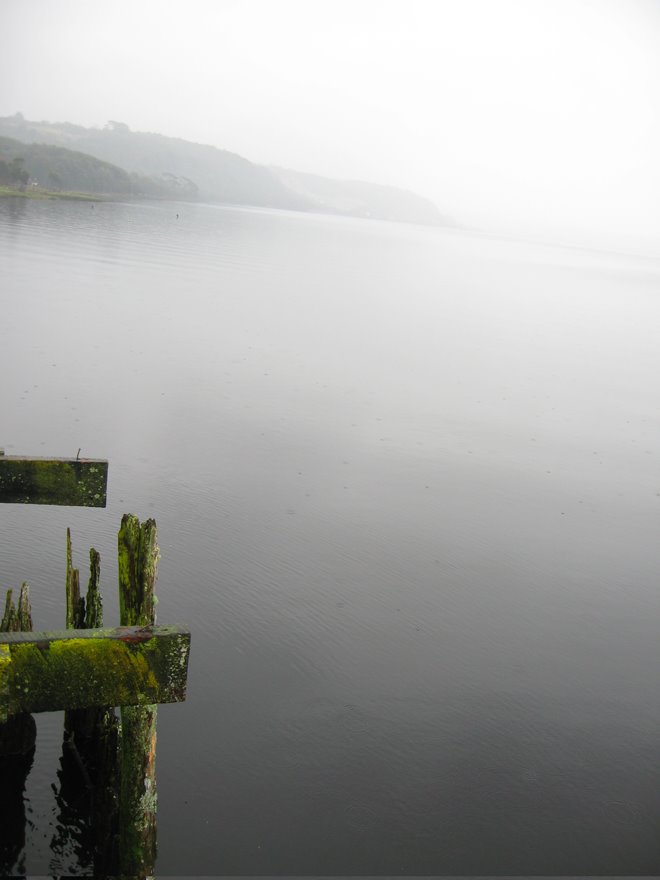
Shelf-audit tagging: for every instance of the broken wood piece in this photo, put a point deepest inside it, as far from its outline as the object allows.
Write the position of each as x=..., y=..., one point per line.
x=21, y=620
x=67, y=481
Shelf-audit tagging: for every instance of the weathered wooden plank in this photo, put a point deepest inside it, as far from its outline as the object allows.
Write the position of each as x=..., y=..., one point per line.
x=71, y=669
x=69, y=481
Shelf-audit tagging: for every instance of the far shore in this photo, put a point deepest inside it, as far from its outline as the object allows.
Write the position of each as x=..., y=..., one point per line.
x=41, y=193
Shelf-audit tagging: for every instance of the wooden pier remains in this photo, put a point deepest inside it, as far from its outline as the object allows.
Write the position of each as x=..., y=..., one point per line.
x=88, y=670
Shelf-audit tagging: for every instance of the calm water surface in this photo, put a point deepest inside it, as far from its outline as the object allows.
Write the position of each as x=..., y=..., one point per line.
x=407, y=486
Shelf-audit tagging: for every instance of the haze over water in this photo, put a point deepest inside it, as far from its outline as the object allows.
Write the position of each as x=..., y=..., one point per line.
x=407, y=488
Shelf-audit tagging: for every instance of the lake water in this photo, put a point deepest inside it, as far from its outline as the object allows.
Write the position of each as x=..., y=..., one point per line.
x=407, y=487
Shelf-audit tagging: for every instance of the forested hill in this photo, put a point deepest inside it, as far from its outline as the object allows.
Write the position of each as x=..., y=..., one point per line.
x=160, y=166
x=57, y=169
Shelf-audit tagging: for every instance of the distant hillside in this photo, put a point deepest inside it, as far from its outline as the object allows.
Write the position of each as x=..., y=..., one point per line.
x=160, y=166
x=218, y=175
x=358, y=199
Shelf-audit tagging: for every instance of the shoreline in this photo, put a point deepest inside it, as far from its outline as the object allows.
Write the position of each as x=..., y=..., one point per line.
x=12, y=191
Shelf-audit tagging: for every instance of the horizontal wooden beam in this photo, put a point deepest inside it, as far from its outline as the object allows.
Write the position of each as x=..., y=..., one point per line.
x=70, y=481
x=73, y=669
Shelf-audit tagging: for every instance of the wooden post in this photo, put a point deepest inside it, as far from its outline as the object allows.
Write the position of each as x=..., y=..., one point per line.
x=138, y=569
x=138, y=564
x=94, y=604
x=89, y=763
x=17, y=746
x=75, y=604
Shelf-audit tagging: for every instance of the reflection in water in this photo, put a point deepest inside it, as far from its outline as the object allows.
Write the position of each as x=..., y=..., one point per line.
x=17, y=747
x=106, y=820
x=87, y=798
x=106, y=799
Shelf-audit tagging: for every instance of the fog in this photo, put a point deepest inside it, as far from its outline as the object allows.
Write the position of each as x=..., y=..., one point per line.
x=540, y=114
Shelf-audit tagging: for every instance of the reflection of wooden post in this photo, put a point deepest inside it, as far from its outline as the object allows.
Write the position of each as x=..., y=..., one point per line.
x=17, y=743
x=138, y=563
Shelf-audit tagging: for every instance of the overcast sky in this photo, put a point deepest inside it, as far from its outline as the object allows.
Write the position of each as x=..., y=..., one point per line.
x=545, y=111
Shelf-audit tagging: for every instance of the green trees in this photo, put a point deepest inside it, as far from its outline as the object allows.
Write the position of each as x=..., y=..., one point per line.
x=12, y=172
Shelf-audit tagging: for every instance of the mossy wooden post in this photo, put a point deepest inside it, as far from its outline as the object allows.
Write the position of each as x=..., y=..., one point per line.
x=17, y=746
x=138, y=564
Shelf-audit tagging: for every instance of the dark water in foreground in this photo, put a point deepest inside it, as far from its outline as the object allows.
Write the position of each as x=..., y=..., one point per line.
x=407, y=486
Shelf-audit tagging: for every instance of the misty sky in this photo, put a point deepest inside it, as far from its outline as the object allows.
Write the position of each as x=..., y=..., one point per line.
x=545, y=111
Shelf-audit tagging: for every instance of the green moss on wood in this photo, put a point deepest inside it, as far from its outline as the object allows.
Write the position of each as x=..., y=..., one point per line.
x=50, y=671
